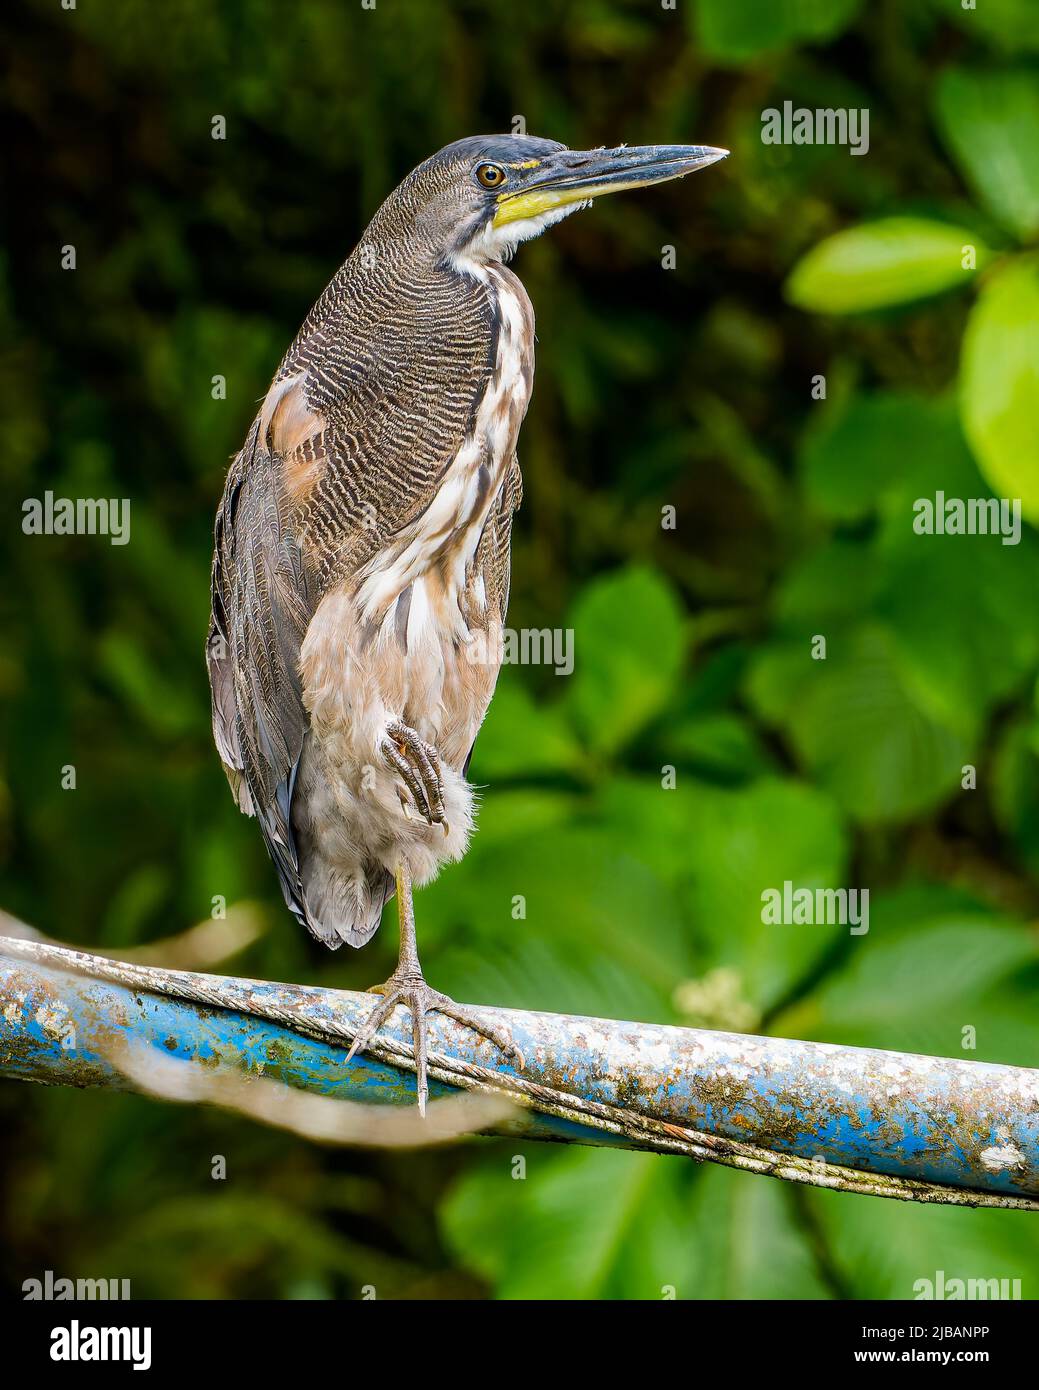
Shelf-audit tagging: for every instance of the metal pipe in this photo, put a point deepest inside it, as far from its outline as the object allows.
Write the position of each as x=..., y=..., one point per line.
x=942, y=1120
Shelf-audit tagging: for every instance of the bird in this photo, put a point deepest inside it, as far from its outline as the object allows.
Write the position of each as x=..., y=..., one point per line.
x=361, y=563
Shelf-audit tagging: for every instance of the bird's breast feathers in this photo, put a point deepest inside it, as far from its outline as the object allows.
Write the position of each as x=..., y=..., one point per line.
x=416, y=630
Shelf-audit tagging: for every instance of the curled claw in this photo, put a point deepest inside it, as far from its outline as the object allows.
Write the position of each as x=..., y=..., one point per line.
x=408, y=776
x=418, y=765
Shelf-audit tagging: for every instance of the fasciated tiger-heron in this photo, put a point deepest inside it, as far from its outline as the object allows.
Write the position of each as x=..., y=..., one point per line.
x=361, y=567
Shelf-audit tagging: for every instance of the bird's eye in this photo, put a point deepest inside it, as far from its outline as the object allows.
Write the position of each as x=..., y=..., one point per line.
x=490, y=175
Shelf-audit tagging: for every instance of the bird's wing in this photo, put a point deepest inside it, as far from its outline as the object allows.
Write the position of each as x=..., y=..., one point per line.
x=495, y=549
x=263, y=599
x=493, y=559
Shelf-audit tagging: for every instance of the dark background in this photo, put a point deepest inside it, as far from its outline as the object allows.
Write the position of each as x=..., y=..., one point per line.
x=689, y=388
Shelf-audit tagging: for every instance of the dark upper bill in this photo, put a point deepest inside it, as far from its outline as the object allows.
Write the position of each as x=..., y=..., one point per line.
x=572, y=176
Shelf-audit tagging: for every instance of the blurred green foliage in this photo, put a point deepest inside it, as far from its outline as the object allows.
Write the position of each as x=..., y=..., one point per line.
x=689, y=388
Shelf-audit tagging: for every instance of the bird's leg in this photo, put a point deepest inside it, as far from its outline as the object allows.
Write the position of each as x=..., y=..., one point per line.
x=407, y=986
x=418, y=765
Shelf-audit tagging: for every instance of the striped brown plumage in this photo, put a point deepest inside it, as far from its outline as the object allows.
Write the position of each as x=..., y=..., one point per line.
x=371, y=405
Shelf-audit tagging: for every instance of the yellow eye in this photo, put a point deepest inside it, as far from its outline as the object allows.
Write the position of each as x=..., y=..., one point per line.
x=491, y=175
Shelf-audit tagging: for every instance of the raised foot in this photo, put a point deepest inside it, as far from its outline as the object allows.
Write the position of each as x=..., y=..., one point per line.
x=413, y=992
x=417, y=763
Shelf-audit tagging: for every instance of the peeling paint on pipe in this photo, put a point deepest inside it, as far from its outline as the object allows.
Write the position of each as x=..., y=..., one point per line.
x=946, y=1120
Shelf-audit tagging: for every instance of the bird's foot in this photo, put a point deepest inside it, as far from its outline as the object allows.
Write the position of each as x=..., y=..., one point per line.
x=417, y=763
x=411, y=990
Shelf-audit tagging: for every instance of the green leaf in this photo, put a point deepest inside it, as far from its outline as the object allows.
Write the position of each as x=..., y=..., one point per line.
x=716, y=745
x=775, y=677
x=928, y=967
x=962, y=614
x=749, y=1243
x=739, y=843
x=734, y=32
x=858, y=725
x=521, y=738
x=990, y=121
x=564, y=974
x=629, y=643
x=587, y=891
x=720, y=848
x=576, y=1225
x=958, y=608
x=880, y=1249
x=835, y=583
x=866, y=738
x=882, y=447
x=999, y=383
x=1015, y=788
x=893, y=261
x=1006, y=24
x=609, y=1224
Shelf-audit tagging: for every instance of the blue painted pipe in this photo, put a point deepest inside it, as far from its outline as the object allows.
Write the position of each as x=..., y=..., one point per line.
x=944, y=1120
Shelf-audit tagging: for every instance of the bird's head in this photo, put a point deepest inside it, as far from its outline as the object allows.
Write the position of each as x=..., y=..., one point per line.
x=475, y=199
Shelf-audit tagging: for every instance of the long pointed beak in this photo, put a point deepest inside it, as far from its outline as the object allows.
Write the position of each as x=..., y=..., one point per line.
x=574, y=176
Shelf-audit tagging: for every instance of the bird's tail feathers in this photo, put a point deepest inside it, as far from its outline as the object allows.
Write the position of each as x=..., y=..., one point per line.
x=340, y=907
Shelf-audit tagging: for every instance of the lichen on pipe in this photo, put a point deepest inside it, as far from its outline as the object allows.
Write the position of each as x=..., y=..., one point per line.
x=962, y=1124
